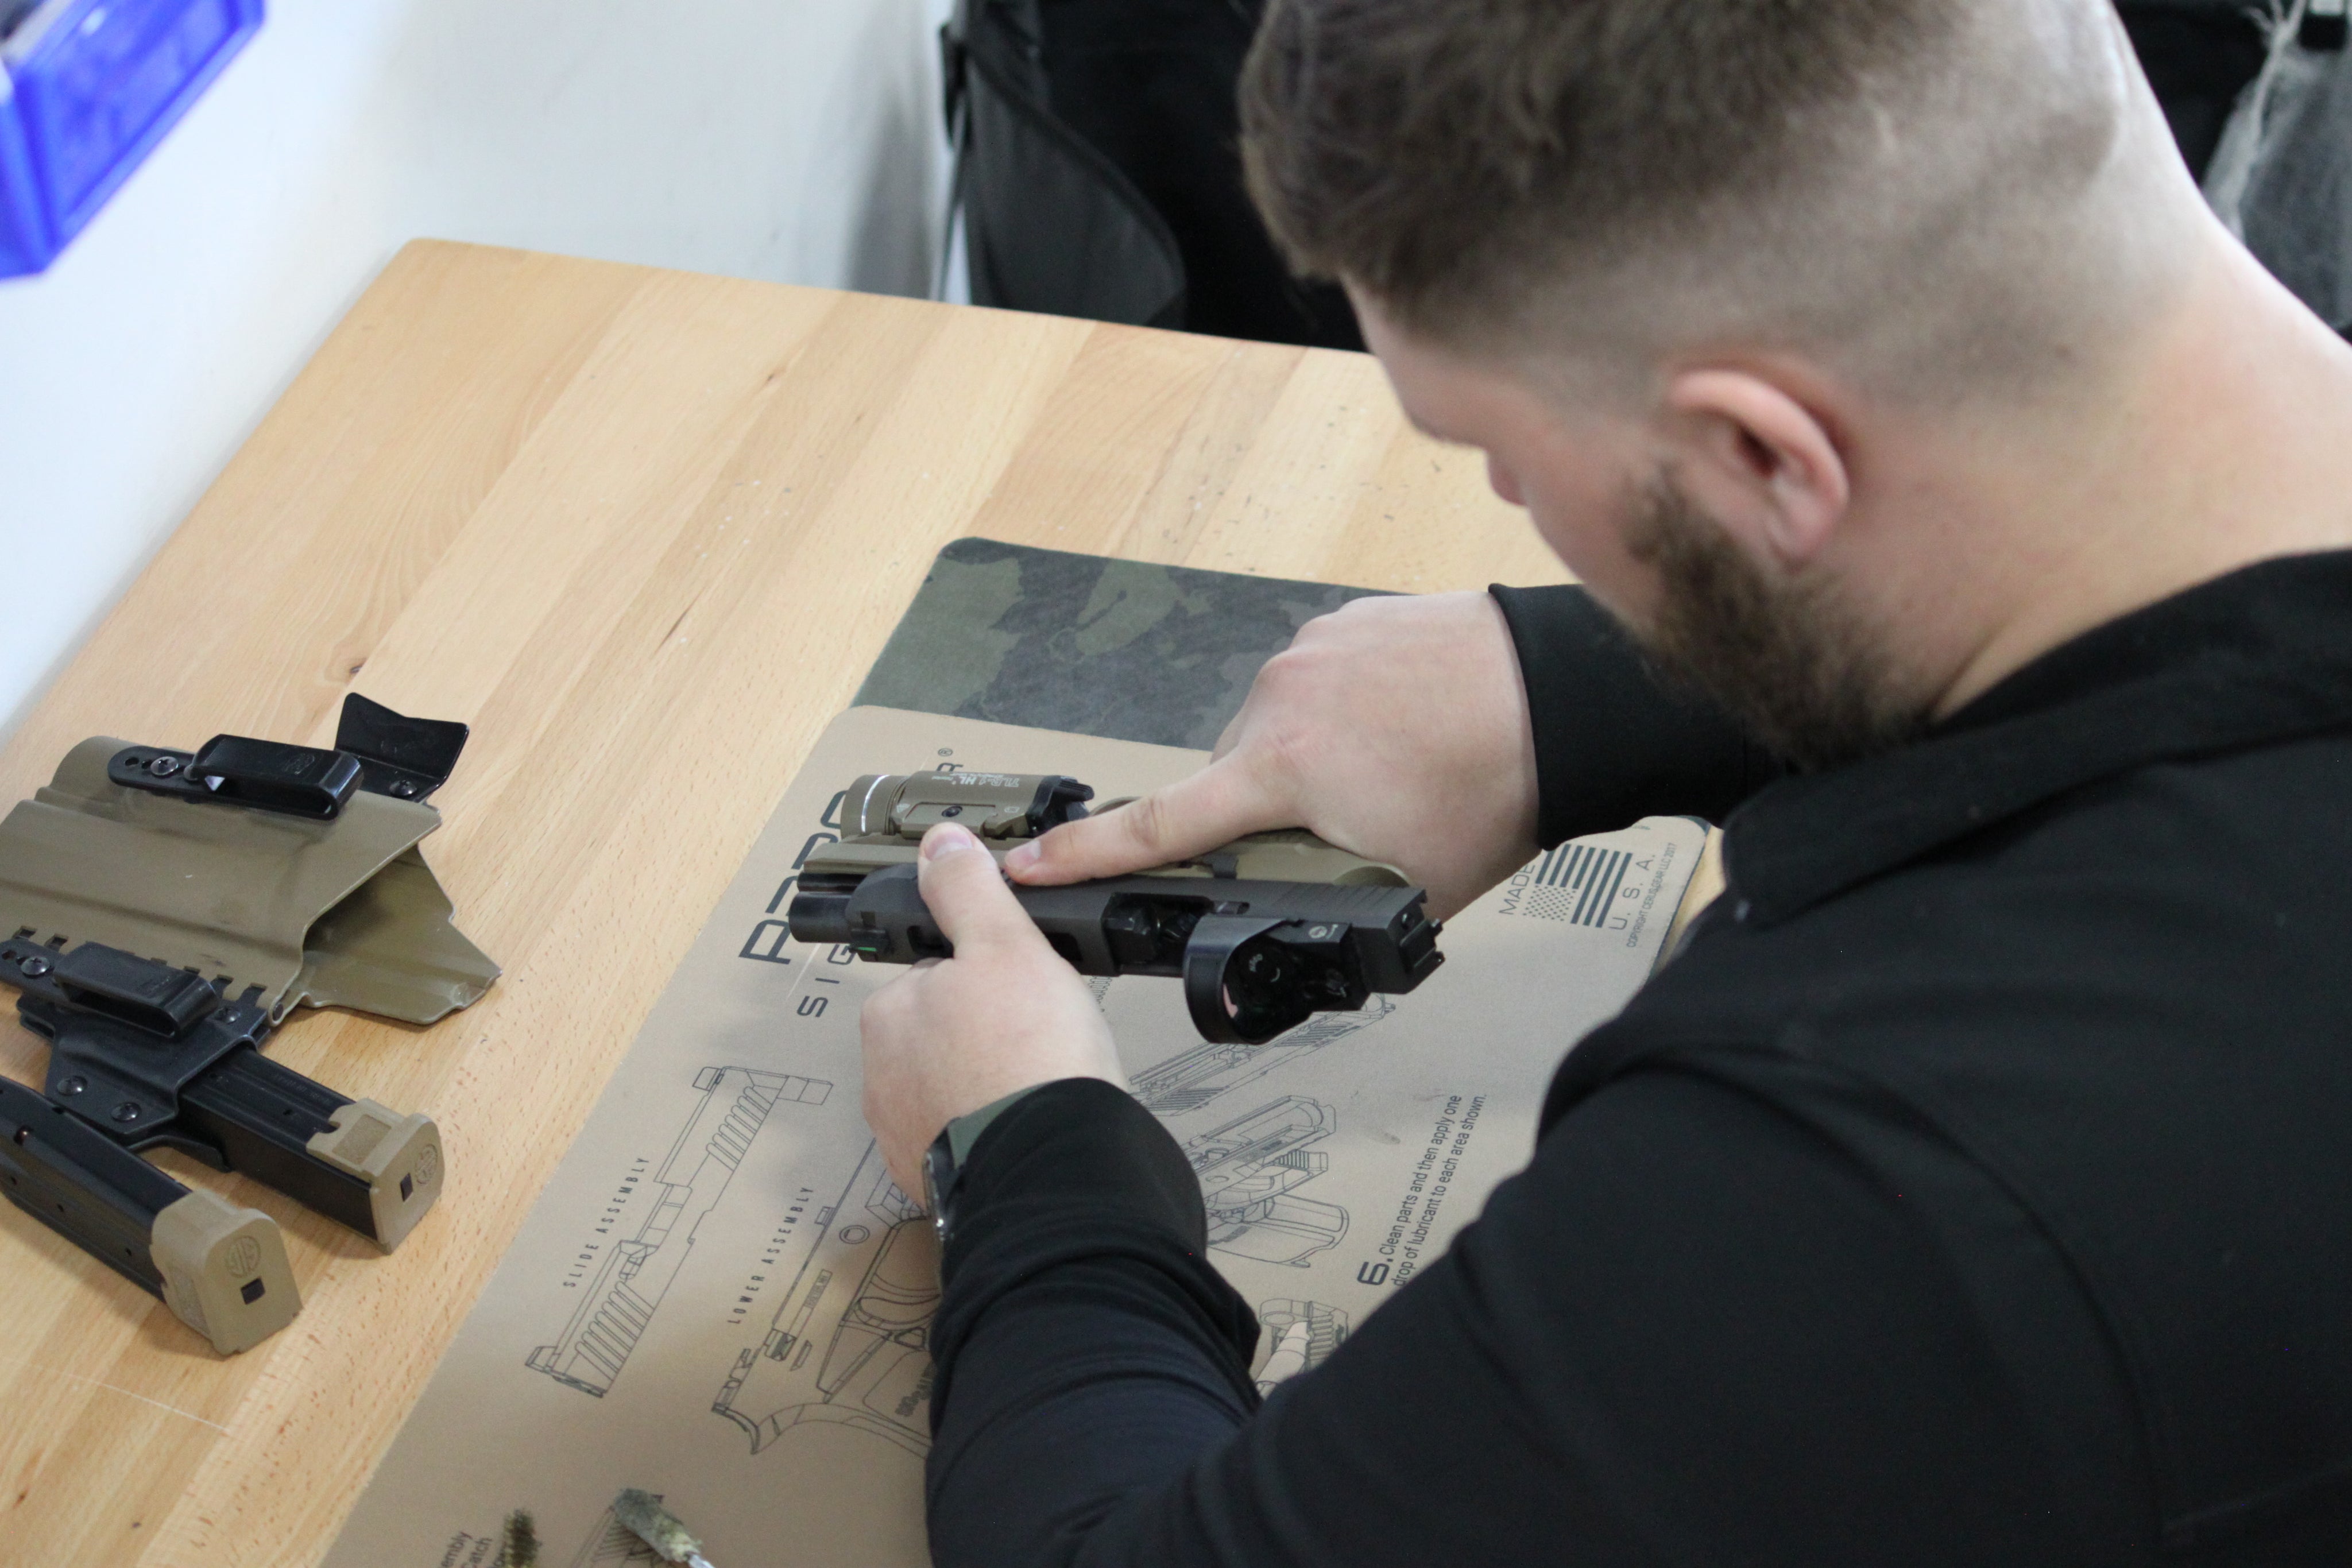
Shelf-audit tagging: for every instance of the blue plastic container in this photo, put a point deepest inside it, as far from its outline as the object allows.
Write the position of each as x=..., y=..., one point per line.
x=87, y=88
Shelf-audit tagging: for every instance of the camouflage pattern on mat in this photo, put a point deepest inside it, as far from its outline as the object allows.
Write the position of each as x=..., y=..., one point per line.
x=1079, y=643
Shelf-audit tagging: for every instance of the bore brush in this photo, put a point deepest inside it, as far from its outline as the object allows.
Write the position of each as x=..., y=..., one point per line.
x=658, y=1528
x=521, y=1547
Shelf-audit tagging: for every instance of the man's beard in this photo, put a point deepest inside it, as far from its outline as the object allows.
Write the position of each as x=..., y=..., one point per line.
x=1791, y=661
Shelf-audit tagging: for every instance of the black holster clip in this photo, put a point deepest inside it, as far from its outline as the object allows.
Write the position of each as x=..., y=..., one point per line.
x=376, y=750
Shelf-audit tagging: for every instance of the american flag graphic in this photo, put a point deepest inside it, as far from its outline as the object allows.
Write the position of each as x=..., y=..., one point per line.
x=1576, y=883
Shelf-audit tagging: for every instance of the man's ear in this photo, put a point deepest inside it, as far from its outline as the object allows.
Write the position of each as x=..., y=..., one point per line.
x=1760, y=462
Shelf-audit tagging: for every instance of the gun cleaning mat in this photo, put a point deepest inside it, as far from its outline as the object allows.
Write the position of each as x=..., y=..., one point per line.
x=720, y=1296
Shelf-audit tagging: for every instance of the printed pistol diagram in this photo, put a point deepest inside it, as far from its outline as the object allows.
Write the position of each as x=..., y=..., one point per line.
x=1189, y=1080
x=636, y=1273
x=1305, y=1333
x=850, y=1344
x=1249, y=1168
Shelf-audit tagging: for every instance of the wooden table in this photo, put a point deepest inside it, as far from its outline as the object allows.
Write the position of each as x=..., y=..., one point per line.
x=645, y=531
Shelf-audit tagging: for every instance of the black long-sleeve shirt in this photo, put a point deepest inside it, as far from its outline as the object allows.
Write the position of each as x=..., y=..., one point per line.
x=1976, y=1187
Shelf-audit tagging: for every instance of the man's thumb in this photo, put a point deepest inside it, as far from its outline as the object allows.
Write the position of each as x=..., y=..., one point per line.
x=964, y=890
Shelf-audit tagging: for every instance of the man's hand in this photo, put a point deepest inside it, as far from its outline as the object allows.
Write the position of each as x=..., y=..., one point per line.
x=1396, y=728
x=952, y=1035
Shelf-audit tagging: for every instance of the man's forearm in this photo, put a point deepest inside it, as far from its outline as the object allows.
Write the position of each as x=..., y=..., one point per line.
x=1612, y=742
x=1088, y=1352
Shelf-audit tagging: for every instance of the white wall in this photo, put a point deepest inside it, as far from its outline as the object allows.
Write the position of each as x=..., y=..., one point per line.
x=792, y=139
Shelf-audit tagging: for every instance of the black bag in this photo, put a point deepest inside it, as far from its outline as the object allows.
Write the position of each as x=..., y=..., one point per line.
x=1098, y=177
x=2200, y=56
x=2258, y=93
x=1099, y=172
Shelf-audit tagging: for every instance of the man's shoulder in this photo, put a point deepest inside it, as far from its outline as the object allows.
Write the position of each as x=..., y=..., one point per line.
x=2171, y=899
x=2144, y=976
x=2123, y=1012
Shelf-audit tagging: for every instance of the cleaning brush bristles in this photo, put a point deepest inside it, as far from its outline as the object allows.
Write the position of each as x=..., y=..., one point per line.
x=520, y=1549
x=658, y=1528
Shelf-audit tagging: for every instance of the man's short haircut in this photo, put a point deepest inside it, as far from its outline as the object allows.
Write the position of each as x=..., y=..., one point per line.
x=1917, y=185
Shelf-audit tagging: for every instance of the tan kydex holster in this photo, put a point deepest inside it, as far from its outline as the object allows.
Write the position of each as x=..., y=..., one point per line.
x=341, y=913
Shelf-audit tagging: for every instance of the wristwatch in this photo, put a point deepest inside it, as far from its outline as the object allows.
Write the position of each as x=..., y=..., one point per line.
x=940, y=1173
x=943, y=1161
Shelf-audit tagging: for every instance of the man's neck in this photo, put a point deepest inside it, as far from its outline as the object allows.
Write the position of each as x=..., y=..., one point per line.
x=2221, y=443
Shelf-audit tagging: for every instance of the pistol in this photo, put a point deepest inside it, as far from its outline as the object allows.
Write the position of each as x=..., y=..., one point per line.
x=1264, y=932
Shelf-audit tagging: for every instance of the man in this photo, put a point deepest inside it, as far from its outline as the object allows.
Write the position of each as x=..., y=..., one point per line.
x=1975, y=1186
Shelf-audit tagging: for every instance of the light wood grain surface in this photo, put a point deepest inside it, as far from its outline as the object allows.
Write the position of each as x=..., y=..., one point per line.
x=645, y=531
